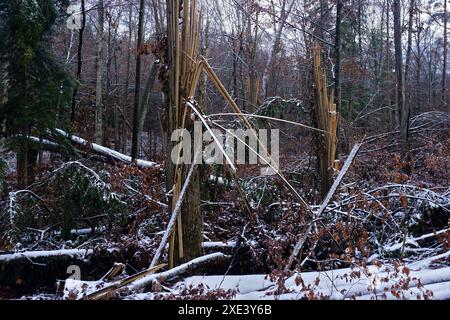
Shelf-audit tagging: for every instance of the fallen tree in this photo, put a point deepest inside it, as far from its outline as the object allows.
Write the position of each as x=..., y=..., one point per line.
x=106, y=152
x=33, y=269
x=74, y=289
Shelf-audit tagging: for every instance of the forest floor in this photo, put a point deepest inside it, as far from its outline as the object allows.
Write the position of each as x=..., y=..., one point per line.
x=385, y=234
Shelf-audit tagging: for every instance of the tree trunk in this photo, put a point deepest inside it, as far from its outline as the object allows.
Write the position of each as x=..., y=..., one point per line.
x=80, y=57
x=268, y=70
x=253, y=85
x=204, y=79
x=145, y=103
x=127, y=83
x=402, y=107
x=186, y=241
x=444, y=69
x=100, y=70
x=135, y=145
x=338, y=44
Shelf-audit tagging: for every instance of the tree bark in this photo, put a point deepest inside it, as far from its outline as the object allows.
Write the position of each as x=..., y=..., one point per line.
x=135, y=144
x=444, y=69
x=268, y=73
x=100, y=71
x=127, y=83
x=402, y=107
x=338, y=44
x=80, y=57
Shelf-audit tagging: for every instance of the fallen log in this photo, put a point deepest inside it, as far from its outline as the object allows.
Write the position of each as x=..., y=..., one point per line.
x=103, y=151
x=175, y=272
x=30, y=255
x=74, y=289
x=42, y=269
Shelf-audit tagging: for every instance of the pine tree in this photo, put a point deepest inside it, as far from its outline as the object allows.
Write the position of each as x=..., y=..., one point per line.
x=36, y=87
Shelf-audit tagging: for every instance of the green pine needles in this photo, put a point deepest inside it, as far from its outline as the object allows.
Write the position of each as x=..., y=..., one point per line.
x=38, y=86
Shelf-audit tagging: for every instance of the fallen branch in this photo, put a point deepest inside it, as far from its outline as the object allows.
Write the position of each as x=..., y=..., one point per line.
x=324, y=205
x=177, y=271
x=107, y=291
x=73, y=253
x=101, y=150
x=413, y=241
x=174, y=216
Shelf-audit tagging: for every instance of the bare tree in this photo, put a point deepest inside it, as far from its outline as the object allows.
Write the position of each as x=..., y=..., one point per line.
x=338, y=49
x=402, y=107
x=444, y=69
x=286, y=10
x=79, y=55
x=100, y=71
x=137, y=91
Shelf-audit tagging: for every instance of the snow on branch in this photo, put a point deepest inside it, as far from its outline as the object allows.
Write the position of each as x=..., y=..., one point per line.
x=73, y=253
x=107, y=152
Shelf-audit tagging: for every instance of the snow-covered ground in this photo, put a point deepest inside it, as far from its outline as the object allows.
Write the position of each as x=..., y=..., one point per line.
x=419, y=280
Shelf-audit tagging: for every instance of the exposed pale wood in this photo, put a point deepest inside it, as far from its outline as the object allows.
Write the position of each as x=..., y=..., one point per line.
x=327, y=120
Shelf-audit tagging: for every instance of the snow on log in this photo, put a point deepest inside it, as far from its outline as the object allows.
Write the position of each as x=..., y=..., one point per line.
x=177, y=271
x=108, y=152
x=358, y=283
x=95, y=290
x=219, y=245
x=73, y=253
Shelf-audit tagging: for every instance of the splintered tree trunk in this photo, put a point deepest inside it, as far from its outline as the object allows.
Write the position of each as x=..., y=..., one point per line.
x=185, y=243
x=100, y=70
x=326, y=117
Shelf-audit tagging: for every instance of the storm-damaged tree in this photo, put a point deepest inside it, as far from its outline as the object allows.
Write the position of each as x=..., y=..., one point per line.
x=186, y=240
x=37, y=88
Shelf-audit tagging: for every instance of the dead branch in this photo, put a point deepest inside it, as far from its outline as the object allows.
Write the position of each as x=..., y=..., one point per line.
x=182, y=269
x=324, y=205
x=101, y=150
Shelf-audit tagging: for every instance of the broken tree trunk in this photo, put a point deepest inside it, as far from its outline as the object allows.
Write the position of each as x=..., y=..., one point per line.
x=327, y=120
x=185, y=244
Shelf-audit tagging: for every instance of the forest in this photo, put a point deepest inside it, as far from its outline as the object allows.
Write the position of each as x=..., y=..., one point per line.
x=224, y=150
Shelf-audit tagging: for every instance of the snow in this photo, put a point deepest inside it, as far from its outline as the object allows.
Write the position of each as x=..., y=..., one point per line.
x=413, y=241
x=74, y=253
x=371, y=283
x=218, y=244
x=109, y=152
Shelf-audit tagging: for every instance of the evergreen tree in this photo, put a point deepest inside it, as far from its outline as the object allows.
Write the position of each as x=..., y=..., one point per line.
x=36, y=87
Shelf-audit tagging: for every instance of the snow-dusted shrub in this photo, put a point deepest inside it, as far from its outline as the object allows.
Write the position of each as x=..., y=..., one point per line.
x=74, y=200
x=83, y=196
